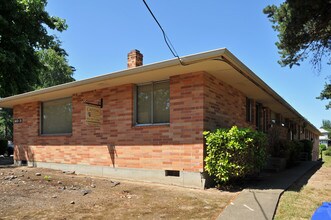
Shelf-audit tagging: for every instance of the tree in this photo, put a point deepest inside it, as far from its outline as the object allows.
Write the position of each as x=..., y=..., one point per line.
x=30, y=58
x=304, y=30
x=6, y=124
x=55, y=69
x=326, y=94
x=326, y=124
x=23, y=31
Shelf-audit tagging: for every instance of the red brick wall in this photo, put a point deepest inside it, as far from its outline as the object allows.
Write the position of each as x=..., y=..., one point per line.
x=198, y=101
x=224, y=106
x=116, y=142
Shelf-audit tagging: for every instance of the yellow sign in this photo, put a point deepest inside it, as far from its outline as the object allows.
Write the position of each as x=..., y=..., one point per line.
x=93, y=115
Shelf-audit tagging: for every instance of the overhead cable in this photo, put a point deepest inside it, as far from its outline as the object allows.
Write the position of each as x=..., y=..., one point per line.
x=165, y=37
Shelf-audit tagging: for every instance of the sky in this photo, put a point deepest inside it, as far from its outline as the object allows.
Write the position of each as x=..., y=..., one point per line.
x=102, y=32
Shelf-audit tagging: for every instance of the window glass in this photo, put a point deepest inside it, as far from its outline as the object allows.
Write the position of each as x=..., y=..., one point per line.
x=57, y=116
x=153, y=104
x=258, y=116
x=248, y=109
x=161, y=103
x=144, y=101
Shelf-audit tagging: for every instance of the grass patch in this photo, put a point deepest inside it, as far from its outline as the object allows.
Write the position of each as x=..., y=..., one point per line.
x=327, y=160
x=302, y=199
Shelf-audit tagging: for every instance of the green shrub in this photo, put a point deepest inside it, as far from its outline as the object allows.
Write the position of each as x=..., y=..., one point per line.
x=322, y=147
x=294, y=148
x=328, y=151
x=307, y=148
x=234, y=153
x=3, y=146
x=284, y=148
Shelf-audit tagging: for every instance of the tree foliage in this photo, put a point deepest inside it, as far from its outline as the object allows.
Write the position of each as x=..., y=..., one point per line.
x=304, y=30
x=6, y=124
x=234, y=153
x=326, y=94
x=23, y=31
x=326, y=124
x=30, y=57
x=55, y=69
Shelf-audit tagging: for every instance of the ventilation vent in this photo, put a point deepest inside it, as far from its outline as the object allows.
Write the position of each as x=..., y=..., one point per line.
x=175, y=173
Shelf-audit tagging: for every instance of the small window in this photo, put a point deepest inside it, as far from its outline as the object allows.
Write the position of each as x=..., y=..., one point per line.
x=279, y=119
x=152, y=103
x=175, y=173
x=265, y=120
x=258, y=109
x=56, y=116
x=248, y=110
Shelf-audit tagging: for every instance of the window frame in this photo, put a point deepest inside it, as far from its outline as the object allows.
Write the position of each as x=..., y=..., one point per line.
x=264, y=120
x=41, y=119
x=135, y=104
x=258, y=109
x=249, y=110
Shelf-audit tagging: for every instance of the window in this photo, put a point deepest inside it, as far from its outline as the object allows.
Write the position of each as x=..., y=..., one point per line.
x=273, y=118
x=265, y=120
x=248, y=110
x=56, y=116
x=258, y=108
x=152, y=103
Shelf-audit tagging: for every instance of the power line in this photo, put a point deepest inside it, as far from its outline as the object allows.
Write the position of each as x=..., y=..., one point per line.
x=165, y=37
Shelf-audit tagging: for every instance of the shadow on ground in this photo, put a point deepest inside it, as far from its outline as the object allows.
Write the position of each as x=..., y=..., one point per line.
x=278, y=180
x=297, y=185
x=260, y=196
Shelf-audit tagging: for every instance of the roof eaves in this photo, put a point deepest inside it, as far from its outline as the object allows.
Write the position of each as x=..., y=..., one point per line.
x=265, y=87
x=190, y=59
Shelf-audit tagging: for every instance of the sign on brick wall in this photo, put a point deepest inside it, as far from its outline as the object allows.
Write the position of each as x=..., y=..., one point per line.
x=93, y=115
x=18, y=120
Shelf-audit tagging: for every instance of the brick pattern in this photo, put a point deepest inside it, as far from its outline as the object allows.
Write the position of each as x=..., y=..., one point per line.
x=135, y=59
x=116, y=142
x=30, y=115
x=198, y=102
x=224, y=106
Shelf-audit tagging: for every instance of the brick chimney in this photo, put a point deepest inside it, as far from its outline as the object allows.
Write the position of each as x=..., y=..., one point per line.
x=135, y=58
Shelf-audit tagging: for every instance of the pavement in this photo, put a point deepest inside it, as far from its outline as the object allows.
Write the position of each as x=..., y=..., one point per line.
x=260, y=199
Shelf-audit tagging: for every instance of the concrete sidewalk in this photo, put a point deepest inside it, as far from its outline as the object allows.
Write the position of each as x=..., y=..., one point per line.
x=259, y=200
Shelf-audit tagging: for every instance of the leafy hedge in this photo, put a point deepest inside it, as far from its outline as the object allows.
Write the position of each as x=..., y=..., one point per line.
x=293, y=150
x=328, y=151
x=322, y=147
x=234, y=153
x=308, y=148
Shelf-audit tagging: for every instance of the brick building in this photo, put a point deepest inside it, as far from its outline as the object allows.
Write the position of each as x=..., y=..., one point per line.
x=146, y=122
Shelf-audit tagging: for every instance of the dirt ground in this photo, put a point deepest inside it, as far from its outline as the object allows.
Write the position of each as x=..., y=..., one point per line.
x=36, y=193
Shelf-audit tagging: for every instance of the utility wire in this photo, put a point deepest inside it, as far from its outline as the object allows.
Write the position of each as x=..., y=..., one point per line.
x=165, y=37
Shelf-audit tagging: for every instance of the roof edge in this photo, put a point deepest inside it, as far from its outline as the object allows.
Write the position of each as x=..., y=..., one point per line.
x=186, y=60
x=260, y=82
